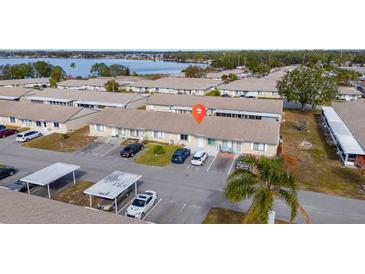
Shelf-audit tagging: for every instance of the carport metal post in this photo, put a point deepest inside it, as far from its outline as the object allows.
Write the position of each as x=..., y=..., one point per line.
x=91, y=201
x=73, y=175
x=116, y=205
x=49, y=192
x=135, y=189
x=28, y=188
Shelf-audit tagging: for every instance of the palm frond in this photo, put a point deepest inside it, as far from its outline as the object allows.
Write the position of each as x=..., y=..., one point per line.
x=260, y=208
x=240, y=186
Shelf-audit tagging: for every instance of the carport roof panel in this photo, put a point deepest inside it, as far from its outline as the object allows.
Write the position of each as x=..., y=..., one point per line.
x=49, y=174
x=113, y=185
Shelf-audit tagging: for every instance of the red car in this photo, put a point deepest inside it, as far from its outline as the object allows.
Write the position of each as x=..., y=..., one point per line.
x=7, y=132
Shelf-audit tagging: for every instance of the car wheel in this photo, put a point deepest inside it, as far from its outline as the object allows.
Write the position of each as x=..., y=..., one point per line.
x=127, y=195
x=40, y=135
x=155, y=201
x=132, y=154
x=142, y=215
x=27, y=140
x=11, y=173
x=3, y=136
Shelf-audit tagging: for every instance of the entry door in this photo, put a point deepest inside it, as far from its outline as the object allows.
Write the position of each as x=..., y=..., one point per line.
x=114, y=131
x=201, y=142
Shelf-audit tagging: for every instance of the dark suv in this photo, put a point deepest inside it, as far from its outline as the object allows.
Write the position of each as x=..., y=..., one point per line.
x=180, y=155
x=6, y=171
x=131, y=150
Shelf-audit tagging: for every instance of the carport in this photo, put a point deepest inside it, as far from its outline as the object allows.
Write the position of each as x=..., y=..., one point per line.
x=112, y=186
x=50, y=174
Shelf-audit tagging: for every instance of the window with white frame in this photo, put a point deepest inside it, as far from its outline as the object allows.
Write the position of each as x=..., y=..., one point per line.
x=55, y=124
x=38, y=123
x=158, y=134
x=100, y=127
x=184, y=137
x=12, y=119
x=258, y=146
x=211, y=141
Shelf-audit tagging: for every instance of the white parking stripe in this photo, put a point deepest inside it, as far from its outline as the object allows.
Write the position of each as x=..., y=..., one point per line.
x=149, y=212
x=229, y=171
x=108, y=151
x=188, y=166
x=211, y=163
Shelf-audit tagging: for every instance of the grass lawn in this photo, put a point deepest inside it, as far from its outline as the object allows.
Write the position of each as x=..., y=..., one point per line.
x=63, y=142
x=227, y=216
x=74, y=194
x=317, y=168
x=149, y=158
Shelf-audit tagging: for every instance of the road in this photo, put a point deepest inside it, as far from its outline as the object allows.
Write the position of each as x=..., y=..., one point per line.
x=187, y=193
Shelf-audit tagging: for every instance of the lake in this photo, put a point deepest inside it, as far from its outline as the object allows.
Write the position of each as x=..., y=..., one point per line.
x=83, y=66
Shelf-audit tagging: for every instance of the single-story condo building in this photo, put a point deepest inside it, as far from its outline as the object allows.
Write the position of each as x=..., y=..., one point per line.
x=348, y=93
x=244, y=108
x=345, y=124
x=44, y=118
x=26, y=83
x=96, y=84
x=13, y=94
x=90, y=99
x=252, y=87
x=213, y=134
x=175, y=85
x=217, y=75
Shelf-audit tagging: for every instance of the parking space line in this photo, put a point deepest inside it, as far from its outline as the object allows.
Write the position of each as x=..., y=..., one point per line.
x=188, y=166
x=108, y=151
x=125, y=206
x=229, y=171
x=212, y=163
x=149, y=212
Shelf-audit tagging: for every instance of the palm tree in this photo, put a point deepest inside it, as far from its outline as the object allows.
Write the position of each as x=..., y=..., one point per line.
x=264, y=182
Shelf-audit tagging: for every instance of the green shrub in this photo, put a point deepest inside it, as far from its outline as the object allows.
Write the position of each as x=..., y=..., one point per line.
x=158, y=149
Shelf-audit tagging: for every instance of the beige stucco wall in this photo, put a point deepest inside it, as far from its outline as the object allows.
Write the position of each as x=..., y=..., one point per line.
x=193, y=141
x=169, y=91
x=32, y=125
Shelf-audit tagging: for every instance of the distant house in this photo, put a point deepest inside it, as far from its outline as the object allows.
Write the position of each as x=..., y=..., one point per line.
x=348, y=93
x=345, y=123
x=44, y=118
x=13, y=94
x=89, y=99
x=26, y=83
x=244, y=108
x=96, y=84
x=175, y=85
x=213, y=134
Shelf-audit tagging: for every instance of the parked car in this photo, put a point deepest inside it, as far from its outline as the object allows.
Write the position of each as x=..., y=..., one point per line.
x=20, y=186
x=240, y=164
x=27, y=136
x=142, y=204
x=225, y=95
x=180, y=155
x=131, y=150
x=6, y=171
x=108, y=204
x=7, y=132
x=2, y=127
x=199, y=158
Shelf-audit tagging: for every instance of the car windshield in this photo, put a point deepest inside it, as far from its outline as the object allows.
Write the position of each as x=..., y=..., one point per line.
x=178, y=153
x=105, y=202
x=127, y=148
x=20, y=183
x=138, y=203
x=196, y=158
x=19, y=135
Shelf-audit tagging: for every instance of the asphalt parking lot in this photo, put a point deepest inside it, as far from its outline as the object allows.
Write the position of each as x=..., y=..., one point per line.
x=102, y=147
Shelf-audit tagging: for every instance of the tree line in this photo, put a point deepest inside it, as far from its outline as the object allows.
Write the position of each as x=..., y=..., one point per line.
x=263, y=60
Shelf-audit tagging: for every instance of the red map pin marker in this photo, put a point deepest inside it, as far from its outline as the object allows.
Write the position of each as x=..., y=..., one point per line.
x=199, y=112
